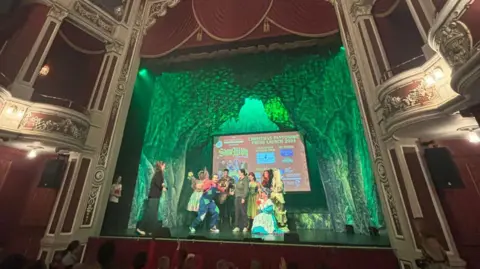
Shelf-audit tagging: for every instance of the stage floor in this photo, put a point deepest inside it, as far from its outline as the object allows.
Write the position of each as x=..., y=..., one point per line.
x=307, y=237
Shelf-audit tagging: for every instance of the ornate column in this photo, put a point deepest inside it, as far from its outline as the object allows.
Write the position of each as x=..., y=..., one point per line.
x=60, y=230
x=23, y=56
x=81, y=213
x=399, y=229
x=399, y=167
x=361, y=12
x=423, y=12
x=104, y=80
x=419, y=196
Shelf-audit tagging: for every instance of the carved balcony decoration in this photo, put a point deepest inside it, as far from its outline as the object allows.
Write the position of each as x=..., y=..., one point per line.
x=42, y=122
x=456, y=36
x=416, y=95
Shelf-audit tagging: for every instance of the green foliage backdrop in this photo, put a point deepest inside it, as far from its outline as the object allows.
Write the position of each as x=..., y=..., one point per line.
x=308, y=89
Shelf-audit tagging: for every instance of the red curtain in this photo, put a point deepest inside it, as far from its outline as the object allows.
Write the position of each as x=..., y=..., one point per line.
x=304, y=18
x=170, y=31
x=230, y=20
x=196, y=23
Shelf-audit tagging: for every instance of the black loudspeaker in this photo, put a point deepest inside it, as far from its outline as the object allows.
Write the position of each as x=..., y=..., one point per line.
x=53, y=172
x=162, y=232
x=291, y=237
x=443, y=170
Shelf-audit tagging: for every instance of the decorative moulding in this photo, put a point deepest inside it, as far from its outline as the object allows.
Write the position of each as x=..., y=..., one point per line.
x=42, y=121
x=450, y=37
x=158, y=9
x=95, y=17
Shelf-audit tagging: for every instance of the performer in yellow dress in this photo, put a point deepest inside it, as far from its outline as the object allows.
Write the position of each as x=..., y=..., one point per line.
x=278, y=200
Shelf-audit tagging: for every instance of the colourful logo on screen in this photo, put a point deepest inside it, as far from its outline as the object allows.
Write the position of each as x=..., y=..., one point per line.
x=265, y=157
x=219, y=144
x=286, y=152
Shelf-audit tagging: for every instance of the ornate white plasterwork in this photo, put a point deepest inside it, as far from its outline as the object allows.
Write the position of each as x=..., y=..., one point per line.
x=450, y=36
x=361, y=8
x=158, y=9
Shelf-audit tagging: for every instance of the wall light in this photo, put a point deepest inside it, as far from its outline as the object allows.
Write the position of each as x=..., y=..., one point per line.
x=472, y=133
x=437, y=73
x=44, y=70
x=429, y=80
x=32, y=154
x=473, y=137
x=433, y=77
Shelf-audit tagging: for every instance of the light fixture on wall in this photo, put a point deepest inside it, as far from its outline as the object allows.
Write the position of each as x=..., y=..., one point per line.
x=33, y=152
x=437, y=73
x=14, y=110
x=44, y=70
x=472, y=133
x=433, y=77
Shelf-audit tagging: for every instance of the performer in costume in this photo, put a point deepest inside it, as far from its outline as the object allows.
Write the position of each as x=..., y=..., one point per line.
x=267, y=179
x=252, y=197
x=278, y=199
x=225, y=199
x=265, y=222
x=197, y=186
x=110, y=223
x=150, y=210
x=207, y=205
x=116, y=191
x=241, y=191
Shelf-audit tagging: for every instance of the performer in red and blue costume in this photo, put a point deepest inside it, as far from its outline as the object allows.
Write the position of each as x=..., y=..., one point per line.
x=207, y=205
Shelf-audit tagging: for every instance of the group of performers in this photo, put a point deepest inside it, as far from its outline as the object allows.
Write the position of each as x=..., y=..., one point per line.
x=247, y=205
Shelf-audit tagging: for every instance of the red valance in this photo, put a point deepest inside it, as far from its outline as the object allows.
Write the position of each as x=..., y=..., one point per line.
x=196, y=23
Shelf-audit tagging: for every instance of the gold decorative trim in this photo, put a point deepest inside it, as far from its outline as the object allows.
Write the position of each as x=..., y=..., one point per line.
x=57, y=12
x=361, y=8
x=115, y=47
x=105, y=24
x=157, y=10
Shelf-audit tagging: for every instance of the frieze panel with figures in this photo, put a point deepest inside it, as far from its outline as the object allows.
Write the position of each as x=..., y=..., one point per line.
x=406, y=97
x=75, y=129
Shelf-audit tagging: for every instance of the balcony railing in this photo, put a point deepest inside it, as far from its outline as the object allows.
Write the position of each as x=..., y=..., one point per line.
x=57, y=101
x=407, y=65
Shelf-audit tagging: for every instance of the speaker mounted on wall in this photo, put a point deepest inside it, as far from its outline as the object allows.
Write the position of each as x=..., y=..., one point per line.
x=443, y=170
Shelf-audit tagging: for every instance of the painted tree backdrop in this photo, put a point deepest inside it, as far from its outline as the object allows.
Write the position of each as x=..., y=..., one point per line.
x=308, y=89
